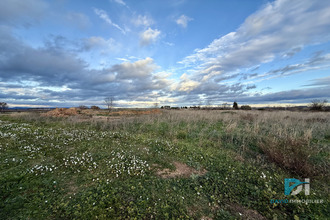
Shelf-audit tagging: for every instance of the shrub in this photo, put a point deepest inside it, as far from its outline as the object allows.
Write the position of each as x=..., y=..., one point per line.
x=83, y=107
x=289, y=153
x=94, y=107
x=246, y=107
x=318, y=105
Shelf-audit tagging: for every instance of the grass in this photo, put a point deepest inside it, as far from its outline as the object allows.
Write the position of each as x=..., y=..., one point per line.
x=58, y=168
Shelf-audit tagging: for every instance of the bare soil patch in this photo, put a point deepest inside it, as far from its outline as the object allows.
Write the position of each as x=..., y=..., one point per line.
x=246, y=214
x=181, y=170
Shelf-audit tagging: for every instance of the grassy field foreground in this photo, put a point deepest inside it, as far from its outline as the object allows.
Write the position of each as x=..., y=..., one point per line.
x=172, y=165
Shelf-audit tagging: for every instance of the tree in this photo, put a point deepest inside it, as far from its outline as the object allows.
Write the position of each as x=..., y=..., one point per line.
x=109, y=102
x=94, y=107
x=318, y=105
x=3, y=106
x=156, y=105
x=235, y=105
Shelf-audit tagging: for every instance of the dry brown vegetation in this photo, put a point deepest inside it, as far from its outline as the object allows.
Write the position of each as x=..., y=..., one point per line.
x=62, y=112
x=66, y=112
x=181, y=170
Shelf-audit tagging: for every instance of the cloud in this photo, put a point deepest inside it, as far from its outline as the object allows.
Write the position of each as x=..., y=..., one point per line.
x=53, y=75
x=279, y=27
x=237, y=92
x=104, y=16
x=137, y=70
x=78, y=19
x=27, y=11
x=143, y=21
x=318, y=61
x=291, y=96
x=186, y=84
x=292, y=52
x=149, y=36
x=325, y=81
x=183, y=21
x=99, y=43
x=121, y=2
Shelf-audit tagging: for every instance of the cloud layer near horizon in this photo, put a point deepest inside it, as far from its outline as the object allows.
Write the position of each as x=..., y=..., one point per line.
x=57, y=72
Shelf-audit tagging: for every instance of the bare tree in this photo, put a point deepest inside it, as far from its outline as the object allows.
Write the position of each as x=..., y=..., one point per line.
x=156, y=105
x=3, y=106
x=318, y=105
x=109, y=102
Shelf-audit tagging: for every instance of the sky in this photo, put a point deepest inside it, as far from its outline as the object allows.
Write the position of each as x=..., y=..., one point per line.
x=56, y=53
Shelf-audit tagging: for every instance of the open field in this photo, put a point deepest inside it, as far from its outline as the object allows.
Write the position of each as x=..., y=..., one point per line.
x=163, y=165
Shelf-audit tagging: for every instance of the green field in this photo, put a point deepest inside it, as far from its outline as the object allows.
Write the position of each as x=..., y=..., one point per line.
x=174, y=165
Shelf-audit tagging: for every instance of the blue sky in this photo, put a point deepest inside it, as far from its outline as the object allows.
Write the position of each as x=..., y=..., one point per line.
x=172, y=52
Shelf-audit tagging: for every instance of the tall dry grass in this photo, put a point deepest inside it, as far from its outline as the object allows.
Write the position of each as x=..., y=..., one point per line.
x=296, y=141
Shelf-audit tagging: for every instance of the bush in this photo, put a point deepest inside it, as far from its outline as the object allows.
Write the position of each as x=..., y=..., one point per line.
x=94, y=107
x=246, y=107
x=83, y=107
x=318, y=105
x=289, y=153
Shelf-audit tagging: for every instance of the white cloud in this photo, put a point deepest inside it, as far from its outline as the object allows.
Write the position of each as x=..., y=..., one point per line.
x=143, y=21
x=277, y=28
x=149, y=36
x=139, y=69
x=121, y=2
x=103, y=15
x=183, y=20
x=185, y=84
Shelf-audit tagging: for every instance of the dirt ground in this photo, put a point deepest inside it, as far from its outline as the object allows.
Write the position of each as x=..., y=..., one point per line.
x=181, y=170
